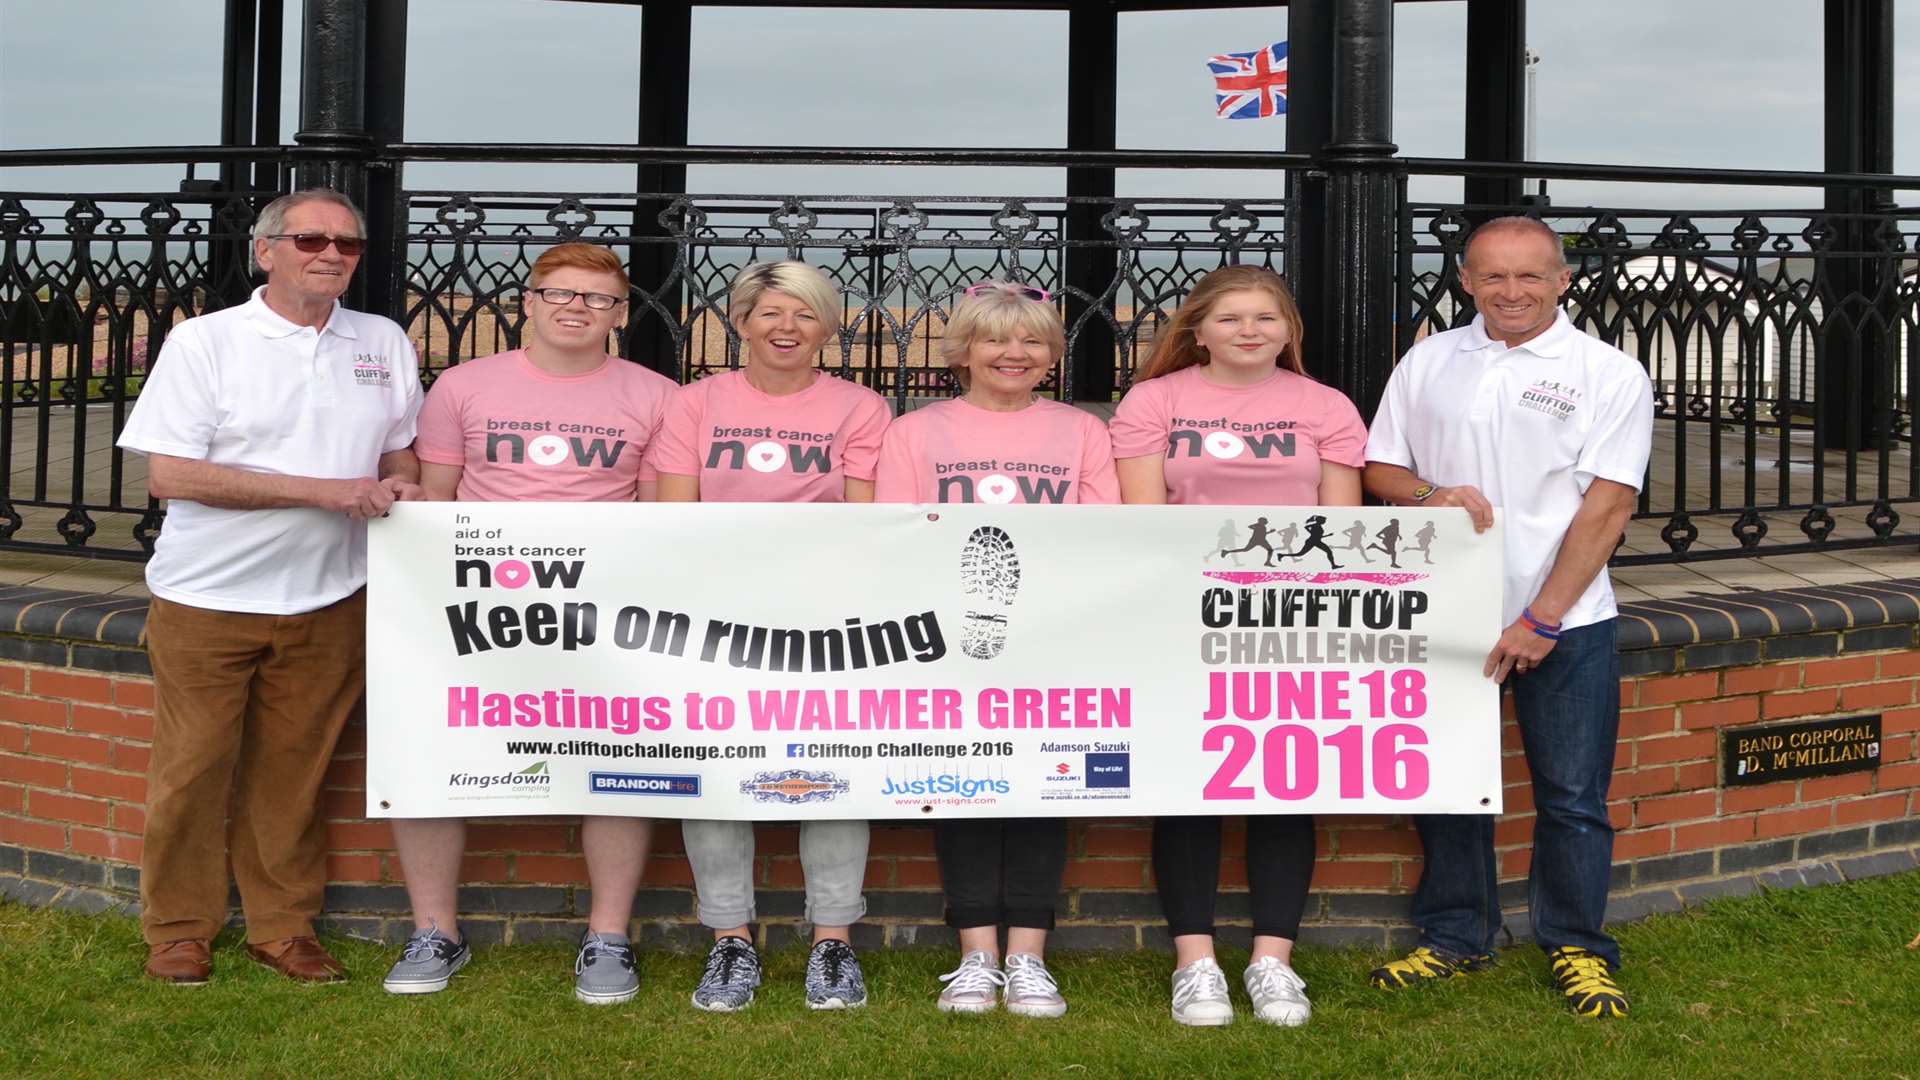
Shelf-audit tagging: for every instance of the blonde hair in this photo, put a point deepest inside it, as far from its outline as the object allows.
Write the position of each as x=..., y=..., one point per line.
x=807, y=284
x=1177, y=346
x=998, y=313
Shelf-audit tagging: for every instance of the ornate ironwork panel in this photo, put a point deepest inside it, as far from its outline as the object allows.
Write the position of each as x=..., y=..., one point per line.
x=1782, y=345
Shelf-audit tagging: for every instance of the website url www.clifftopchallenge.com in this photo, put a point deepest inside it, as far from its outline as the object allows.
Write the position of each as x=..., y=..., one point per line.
x=645, y=751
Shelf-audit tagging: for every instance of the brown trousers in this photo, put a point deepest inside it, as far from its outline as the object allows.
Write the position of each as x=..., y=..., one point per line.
x=248, y=708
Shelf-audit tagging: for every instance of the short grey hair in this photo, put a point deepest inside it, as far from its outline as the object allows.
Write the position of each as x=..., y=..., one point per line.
x=807, y=284
x=1521, y=224
x=273, y=217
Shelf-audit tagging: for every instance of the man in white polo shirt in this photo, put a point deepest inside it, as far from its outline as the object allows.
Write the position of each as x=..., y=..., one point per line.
x=275, y=430
x=1522, y=412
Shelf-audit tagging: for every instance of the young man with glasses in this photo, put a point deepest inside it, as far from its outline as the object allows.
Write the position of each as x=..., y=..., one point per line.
x=559, y=420
x=274, y=429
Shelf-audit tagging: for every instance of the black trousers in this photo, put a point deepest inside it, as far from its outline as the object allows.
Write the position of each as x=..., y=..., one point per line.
x=1186, y=864
x=1001, y=871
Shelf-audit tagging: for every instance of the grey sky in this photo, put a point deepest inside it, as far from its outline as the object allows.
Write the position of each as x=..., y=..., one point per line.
x=1709, y=83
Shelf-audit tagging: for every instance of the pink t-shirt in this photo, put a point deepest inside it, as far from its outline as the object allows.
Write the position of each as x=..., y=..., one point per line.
x=747, y=446
x=1258, y=445
x=957, y=452
x=521, y=434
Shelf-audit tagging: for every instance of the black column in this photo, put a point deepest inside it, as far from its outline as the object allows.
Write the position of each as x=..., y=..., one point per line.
x=1496, y=96
x=666, y=65
x=333, y=107
x=1093, y=40
x=383, y=274
x=230, y=264
x=1341, y=232
x=1859, y=273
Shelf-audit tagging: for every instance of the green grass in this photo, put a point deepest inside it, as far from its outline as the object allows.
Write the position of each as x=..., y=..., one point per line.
x=1810, y=983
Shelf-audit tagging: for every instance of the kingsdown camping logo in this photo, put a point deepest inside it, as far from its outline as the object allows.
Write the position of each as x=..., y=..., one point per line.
x=534, y=780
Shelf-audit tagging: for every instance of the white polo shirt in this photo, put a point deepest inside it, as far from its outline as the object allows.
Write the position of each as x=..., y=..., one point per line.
x=1530, y=427
x=245, y=388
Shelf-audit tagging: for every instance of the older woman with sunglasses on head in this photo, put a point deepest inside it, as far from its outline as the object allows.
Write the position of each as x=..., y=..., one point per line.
x=817, y=438
x=999, y=443
x=1225, y=370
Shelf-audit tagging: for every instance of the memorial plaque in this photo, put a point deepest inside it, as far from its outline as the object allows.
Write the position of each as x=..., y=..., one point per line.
x=1761, y=755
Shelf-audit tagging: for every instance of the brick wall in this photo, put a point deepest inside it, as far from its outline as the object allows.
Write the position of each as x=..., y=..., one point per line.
x=75, y=722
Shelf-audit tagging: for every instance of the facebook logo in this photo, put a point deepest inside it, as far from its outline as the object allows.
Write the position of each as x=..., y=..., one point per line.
x=795, y=749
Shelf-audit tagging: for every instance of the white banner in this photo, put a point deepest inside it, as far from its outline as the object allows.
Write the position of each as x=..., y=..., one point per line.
x=754, y=661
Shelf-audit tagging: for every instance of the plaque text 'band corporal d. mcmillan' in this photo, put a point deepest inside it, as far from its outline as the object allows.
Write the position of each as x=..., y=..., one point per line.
x=1761, y=755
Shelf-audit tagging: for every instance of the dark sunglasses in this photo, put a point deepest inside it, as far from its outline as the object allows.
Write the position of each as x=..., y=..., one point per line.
x=315, y=243
x=1030, y=292
x=598, y=301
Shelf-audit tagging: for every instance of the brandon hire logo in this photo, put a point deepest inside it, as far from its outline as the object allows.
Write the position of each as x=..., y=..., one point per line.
x=615, y=783
x=794, y=786
x=534, y=780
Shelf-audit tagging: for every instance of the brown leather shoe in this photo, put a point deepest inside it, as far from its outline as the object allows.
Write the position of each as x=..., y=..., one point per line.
x=182, y=963
x=300, y=959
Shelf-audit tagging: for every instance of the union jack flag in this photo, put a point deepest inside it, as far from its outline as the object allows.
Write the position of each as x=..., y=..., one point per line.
x=1249, y=85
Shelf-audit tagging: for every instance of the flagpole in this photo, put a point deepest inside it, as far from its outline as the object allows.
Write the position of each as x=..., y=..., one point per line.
x=1532, y=67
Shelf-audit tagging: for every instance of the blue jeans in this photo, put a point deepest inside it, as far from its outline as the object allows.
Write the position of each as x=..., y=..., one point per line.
x=1569, y=715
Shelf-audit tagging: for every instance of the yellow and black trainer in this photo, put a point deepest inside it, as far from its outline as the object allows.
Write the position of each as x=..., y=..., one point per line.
x=1425, y=965
x=1586, y=981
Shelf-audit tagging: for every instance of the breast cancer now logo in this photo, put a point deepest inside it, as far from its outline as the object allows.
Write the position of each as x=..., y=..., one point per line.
x=768, y=456
x=514, y=573
x=1001, y=488
x=1226, y=445
x=550, y=450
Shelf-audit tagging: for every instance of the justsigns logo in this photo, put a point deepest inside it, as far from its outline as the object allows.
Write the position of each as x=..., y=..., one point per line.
x=965, y=787
x=612, y=783
x=794, y=786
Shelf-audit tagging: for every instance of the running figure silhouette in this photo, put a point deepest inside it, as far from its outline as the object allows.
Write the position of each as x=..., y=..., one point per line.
x=1316, y=538
x=1228, y=530
x=1287, y=536
x=1389, y=538
x=1356, y=535
x=1257, y=534
x=1425, y=545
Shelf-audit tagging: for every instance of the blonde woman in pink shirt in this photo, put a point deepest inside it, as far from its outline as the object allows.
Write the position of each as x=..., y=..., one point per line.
x=999, y=443
x=776, y=430
x=1224, y=412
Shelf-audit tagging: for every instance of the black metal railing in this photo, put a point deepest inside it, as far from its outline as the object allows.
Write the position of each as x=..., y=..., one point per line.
x=1782, y=342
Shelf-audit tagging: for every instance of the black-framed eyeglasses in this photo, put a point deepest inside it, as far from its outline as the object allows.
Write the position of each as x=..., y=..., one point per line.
x=1030, y=292
x=598, y=301
x=315, y=243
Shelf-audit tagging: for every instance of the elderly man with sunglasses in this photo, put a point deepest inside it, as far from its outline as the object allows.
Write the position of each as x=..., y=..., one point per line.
x=274, y=429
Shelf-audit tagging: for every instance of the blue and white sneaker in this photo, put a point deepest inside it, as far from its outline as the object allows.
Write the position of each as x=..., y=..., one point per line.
x=732, y=974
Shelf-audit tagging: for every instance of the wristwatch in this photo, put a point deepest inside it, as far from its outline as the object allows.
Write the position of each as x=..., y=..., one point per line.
x=1421, y=493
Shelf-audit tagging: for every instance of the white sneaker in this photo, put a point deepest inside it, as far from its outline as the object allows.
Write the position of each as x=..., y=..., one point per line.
x=1031, y=990
x=1279, y=994
x=1200, y=995
x=974, y=986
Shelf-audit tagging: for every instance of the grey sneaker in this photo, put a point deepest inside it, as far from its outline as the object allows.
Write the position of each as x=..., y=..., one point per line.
x=1200, y=995
x=733, y=971
x=833, y=977
x=603, y=973
x=1031, y=990
x=1279, y=994
x=427, y=963
x=974, y=986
